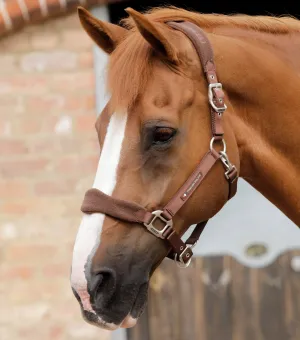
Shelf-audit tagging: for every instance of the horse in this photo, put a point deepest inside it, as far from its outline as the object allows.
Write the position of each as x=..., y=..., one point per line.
x=155, y=129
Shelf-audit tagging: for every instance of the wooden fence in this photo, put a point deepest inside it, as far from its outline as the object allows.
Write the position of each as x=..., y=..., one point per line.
x=218, y=298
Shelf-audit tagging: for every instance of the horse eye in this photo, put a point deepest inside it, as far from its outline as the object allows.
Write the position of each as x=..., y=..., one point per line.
x=163, y=135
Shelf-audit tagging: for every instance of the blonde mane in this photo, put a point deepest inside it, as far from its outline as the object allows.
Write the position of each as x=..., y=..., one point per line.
x=131, y=63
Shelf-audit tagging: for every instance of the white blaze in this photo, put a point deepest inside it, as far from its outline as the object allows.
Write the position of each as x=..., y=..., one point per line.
x=89, y=233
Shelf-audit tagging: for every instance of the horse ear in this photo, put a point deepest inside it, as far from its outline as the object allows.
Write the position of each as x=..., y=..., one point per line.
x=105, y=35
x=153, y=34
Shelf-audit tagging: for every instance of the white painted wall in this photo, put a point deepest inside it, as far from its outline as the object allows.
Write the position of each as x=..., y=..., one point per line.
x=249, y=219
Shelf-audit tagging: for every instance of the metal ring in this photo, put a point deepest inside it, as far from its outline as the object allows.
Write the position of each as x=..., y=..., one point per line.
x=182, y=264
x=211, y=144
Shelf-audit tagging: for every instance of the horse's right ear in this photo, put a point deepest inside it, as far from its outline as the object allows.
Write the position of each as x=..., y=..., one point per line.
x=105, y=35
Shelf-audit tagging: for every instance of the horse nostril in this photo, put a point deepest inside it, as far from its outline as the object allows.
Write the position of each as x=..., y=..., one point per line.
x=102, y=286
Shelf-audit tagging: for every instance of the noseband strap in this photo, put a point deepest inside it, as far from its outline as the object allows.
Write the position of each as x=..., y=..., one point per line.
x=96, y=201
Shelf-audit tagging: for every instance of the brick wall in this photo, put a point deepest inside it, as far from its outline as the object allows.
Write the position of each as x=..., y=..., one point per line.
x=15, y=14
x=48, y=157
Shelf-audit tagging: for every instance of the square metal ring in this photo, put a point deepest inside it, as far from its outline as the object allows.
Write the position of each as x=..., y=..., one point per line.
x=157, y=214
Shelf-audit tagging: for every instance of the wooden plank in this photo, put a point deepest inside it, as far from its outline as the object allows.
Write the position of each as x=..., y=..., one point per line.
x=142, y=331
x=199, y=300
x=218, y=298
x=245, y=297
x=292, y=295
x=272, y=300
x=217, y=280
x=169, y=305
x=185, y=282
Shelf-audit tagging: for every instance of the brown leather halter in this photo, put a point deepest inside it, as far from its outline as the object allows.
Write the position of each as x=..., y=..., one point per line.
x=96, y=201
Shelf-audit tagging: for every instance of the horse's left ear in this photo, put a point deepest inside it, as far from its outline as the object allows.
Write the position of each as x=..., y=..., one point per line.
x=154, y=35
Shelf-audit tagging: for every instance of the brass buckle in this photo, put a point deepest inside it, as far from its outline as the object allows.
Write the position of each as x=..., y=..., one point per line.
x=157, y=214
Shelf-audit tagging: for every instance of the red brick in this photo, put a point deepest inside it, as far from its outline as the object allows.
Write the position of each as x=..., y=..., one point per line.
x=5, y=127
x=29, y=126
x=34, y=9
x=86, y=60
x=30, y=253
x=8, y=100
x=80, y=102
x=55, y=187
x=14, y=188
x=15, y=14
x=38, y=41
x=44, y=104
x=85, y=123
x=76, y=39
x=68, y=22
x=25, y=83
x=17, y=273
x=2, y=25
x=46, y=144
x=80, y=146
x=14, y=208
x=44, y=206
x=12, y=147
x=8, y=63
x=53, y=60
x=83, y=165
x=55, y=270
x=84, y=81
x=16, y=43
x=25, y=168
x=54, y=7
x=63, y=145
x=56, y=332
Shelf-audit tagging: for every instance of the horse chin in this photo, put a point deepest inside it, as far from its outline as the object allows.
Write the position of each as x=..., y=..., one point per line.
x=108, y=320
x=95, y=320
x=137, y=308
x=128, y=322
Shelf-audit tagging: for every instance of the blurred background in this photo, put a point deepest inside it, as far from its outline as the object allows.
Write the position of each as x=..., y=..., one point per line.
x=51, y=89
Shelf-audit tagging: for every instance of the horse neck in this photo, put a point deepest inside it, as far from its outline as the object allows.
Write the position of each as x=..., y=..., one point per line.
x=261, y=78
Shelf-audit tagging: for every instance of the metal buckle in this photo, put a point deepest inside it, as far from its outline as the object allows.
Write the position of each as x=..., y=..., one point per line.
x=180, y=263
x=158, y=215
x=220, y=110
x=223, y=157
x=227, y=164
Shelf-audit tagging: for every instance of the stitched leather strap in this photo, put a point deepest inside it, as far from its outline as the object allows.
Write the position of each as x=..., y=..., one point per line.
x=96, y=201
x=193, y=239
x=205, y=52
x=232, y=182
x=192, y=183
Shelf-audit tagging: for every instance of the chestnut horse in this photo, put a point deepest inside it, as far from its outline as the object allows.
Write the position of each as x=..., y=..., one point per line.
x=156, y=127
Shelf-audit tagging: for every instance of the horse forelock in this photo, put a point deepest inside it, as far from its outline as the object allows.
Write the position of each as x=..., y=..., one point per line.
x=129, y=70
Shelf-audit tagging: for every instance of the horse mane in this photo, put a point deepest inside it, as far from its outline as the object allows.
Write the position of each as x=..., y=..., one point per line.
x=131, y=63
x=269, y=24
